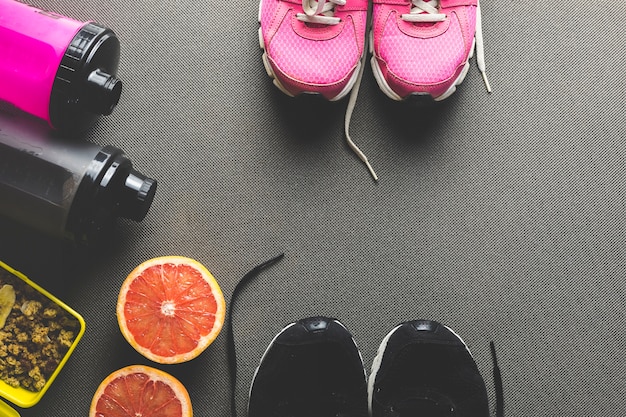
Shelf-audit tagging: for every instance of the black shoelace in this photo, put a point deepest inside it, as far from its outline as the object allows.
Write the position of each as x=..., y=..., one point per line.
x=230, y=340
x=497, y=382
x=232, y=353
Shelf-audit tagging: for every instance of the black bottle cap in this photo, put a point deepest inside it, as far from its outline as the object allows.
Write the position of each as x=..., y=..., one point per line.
x=102, y=92
x=111, y=188
x=135, y=198
x=85, y=85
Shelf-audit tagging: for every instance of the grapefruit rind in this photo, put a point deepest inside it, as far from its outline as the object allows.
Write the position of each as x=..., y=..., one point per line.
x=154, y=375
x=202, y=342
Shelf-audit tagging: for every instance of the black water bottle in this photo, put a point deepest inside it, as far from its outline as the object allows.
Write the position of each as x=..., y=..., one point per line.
x=66, y=188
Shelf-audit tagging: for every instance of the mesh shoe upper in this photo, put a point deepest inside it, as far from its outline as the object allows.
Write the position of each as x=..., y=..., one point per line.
x=423, y=368
x=311, y=369
x=313, y=57
x=424, y=56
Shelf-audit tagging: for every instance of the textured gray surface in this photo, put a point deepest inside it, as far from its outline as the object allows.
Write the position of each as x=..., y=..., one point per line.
x=500, y=215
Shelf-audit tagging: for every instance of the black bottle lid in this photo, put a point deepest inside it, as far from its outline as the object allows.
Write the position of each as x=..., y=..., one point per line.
x=85, y=85
x=135, y=198
x=111, y=188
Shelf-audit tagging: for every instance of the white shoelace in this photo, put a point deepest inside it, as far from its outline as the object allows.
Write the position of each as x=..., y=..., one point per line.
x=351, y=104
x=480, y=50
x=321, y=11
x=424, y=12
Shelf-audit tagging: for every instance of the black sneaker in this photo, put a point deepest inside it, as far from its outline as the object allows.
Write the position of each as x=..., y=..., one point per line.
x=312, y=368
x=423, y=368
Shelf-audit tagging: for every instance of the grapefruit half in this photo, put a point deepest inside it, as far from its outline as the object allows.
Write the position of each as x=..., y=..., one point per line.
x=139, y=390
x=170, y=309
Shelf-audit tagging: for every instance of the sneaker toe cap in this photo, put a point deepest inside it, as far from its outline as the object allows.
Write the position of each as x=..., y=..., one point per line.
x=307, y=65
x=415, y=64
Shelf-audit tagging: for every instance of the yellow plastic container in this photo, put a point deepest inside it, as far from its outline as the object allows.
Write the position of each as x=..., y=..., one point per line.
x=21, y=396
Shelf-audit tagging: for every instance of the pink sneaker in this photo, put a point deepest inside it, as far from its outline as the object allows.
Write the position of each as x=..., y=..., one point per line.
x=423, y=47
x=313, y=47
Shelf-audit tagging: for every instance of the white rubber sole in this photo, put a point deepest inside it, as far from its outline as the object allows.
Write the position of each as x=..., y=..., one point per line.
x=385, y=88
x=278, y=84
x=378, y=359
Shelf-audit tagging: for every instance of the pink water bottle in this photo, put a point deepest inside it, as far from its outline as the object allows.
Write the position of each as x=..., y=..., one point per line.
x=57, y=68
